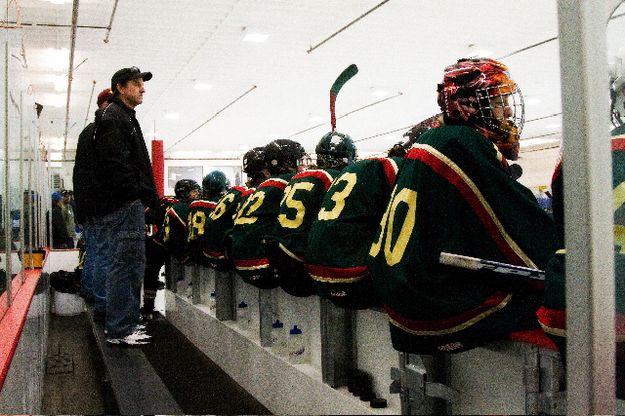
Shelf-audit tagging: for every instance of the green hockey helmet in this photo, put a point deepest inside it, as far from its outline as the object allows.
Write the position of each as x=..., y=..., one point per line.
x=215, y=183
x=335, y=150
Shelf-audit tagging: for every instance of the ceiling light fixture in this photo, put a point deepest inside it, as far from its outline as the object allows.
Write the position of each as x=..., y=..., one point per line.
x=379, y=92
x=172, y=116
x=202, y=86
x=254, y=35
x=481, y=53
x=475, y=52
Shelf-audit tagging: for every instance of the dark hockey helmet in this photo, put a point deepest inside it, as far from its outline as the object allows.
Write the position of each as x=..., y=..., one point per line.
x=215, y=183
x=184, y=187
x=398, y=150
x=254, y=161
x=411, y=136
x=335, y=150
x=479, y=93
x=283, y=156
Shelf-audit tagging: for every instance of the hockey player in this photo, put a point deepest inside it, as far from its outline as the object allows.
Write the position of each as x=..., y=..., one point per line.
x=454, y=193
x=213, y=187
x=552, y=315
x=257, y=216
x=288, y=243
x=175, y=232
x=401, y=148
x=155, y=255
x=221, y=219
x=340, y=237
x=350, y=214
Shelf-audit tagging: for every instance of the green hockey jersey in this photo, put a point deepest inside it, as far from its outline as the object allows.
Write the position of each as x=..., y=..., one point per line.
x=340, y=238
x=454, y=193
x=199, y=212
x=552, y=315
x=156, y=216
x=219, y=223
x=288, y=243
x=253, y=221
x=175, y=232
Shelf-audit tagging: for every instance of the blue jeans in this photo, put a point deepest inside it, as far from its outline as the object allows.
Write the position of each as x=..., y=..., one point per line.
x=86, y=278
x=120, y=258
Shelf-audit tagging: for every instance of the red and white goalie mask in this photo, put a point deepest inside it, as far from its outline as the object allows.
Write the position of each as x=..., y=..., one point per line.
x=480, y=93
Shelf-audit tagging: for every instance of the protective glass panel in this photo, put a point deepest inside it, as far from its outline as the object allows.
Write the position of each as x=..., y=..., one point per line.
x=616, y=59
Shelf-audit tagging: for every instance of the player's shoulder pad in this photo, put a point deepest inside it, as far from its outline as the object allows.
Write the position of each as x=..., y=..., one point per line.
x=202, y=203
x=389, y=165
x=320, y=174
x=274, y=183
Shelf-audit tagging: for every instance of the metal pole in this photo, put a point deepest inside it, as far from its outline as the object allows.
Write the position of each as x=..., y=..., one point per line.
x=46, y=182
x=587, y=189
x=7, y=237
x=31, y=162
x=88, y=106
x=21, y=187
x=70, y=73
x=110, y=26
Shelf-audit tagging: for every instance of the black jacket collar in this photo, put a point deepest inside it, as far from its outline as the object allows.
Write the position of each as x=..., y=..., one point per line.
x=119, y=102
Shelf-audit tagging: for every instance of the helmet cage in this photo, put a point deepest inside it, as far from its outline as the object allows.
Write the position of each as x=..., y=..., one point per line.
x=478, y=92
x=184, y=187
x=505, y=99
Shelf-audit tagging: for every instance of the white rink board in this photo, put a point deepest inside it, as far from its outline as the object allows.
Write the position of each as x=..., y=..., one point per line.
x=282, y=387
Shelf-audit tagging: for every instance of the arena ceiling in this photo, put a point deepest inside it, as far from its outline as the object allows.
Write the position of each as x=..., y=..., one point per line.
x=215, y=94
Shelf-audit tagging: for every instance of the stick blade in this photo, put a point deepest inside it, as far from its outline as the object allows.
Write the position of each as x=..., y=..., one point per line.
x=345, y=76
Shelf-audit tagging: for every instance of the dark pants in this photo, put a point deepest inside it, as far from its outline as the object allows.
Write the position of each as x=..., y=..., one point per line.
x=293, y=277
x=121, y=243
x=155, y=259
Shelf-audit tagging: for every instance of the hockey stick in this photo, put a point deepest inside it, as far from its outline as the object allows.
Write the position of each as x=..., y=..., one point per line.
x=474, y=263
x=345, y=76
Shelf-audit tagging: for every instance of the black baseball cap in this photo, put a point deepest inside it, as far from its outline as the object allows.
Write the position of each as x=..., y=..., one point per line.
x=126, y=74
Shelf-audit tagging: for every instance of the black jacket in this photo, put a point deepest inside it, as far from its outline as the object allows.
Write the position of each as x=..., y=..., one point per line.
x=60, y=236
x=112, y=166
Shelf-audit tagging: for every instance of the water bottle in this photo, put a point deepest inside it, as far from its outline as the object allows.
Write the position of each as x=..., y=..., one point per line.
x=243, y=316
x=278, y=338
x=296, y=346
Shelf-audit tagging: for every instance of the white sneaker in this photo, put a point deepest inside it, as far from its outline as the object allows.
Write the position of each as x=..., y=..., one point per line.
x=141, y=335
x=131, y=340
